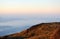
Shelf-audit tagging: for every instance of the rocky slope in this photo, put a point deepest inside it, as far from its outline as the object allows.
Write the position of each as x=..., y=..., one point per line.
x=39, y=31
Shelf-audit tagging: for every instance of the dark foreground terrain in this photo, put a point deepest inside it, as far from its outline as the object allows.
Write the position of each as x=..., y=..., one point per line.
x=39, y=31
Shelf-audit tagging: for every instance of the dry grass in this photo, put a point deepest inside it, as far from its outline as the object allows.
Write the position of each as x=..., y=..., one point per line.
x=40, y=31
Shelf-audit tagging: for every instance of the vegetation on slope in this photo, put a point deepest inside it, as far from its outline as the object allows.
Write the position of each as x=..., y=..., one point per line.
x=39, y=31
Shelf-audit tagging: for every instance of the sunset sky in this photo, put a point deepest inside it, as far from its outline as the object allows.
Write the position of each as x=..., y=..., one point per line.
x=29, y=6
x=33, y=11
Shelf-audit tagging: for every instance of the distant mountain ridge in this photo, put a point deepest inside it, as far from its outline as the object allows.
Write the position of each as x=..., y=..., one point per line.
x=39, y=31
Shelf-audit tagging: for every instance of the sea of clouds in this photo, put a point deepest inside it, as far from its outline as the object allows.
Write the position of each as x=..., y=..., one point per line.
x=15, y=23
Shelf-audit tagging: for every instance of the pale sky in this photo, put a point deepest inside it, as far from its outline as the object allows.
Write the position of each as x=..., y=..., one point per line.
x=29, y=6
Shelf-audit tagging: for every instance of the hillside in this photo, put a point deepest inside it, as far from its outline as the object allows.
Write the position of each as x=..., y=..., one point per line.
x=39, y=31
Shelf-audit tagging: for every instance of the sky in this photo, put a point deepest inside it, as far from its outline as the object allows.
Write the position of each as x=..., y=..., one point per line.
x=32, y=11
x=29, y=6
